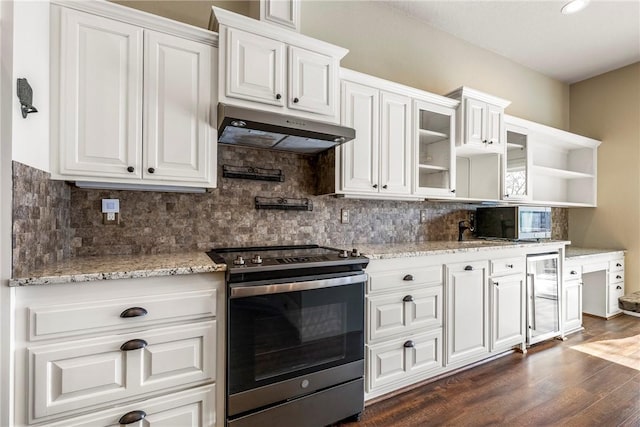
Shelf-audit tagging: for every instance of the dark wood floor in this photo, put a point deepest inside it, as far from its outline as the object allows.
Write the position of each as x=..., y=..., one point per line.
x=552, y=385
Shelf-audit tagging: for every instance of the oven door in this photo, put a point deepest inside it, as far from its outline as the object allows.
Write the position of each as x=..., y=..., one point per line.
x=290, y=339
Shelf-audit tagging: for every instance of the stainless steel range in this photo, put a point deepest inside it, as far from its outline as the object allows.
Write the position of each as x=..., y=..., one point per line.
x=295, y=335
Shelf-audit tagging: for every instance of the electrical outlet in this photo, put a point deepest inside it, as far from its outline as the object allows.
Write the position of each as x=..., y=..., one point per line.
x=344, y=216
x=110, y=211
x=423, y=216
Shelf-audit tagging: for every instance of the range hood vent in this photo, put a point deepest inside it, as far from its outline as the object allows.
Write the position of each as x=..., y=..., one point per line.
x=273, y=131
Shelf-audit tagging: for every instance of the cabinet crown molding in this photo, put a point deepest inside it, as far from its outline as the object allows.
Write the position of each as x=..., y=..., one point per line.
x=224, y=17
x=481, y=96
x=142, y=19
x=566, y=138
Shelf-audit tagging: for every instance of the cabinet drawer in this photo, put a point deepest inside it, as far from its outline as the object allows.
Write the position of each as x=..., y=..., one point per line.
x=507, y=266
x=60, y=320
x=616, y=276
x=616, y=265
x=393, y=361
x=572, y=271
x=77, y=374
x=616, y=290
x=191, y=408
x=410, y=277
x=401, y=312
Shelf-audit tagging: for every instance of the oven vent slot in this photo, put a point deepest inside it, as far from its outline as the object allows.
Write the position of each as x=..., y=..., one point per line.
x=251, y=172
x=284, y=203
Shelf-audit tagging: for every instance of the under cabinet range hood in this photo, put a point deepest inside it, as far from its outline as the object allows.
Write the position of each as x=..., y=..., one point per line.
x=273, y=131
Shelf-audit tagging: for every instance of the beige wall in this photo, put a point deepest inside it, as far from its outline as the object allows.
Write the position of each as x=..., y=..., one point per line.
x=607, y=107
x=389, y=44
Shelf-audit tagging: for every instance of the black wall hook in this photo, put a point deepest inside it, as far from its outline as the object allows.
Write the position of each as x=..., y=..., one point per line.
x=25, y=95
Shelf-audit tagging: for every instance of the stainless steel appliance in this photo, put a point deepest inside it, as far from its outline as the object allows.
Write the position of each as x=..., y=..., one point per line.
x=273, y=131
x=543, y=297
x=295, y=335
x=513, y=222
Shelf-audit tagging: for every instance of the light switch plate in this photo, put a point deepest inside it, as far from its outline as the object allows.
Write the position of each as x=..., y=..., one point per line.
x=423, y=216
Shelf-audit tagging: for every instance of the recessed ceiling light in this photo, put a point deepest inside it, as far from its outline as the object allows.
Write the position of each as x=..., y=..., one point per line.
x=574, y=6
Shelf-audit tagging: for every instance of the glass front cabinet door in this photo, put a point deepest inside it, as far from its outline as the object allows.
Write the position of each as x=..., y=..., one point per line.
x=434, y=173
x=516, y=185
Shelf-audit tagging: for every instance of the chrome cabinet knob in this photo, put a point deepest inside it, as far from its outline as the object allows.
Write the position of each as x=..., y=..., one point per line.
x=256, y=259
x=238, y=261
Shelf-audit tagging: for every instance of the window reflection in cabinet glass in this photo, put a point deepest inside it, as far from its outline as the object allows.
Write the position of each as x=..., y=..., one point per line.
x=515, y=180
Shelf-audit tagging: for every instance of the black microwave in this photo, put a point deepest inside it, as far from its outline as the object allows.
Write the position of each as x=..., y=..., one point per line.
x=513, y=222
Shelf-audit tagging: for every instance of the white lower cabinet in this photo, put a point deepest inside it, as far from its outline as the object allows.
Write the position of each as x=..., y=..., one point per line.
x=467, y=318
x=572, y=306
x=90, y=354
x=508, y=303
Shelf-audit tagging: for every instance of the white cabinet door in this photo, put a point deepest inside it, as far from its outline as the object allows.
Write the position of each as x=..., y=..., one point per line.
x=507, y=311
x=312, y=80
x=395, y=144
x=361, y=111
x=615, y=291
x=495, y=128
x=177, y=86
x=572, y=305
x=467, y=324
x=255, y=68
x=475, y=115
x=100, y=97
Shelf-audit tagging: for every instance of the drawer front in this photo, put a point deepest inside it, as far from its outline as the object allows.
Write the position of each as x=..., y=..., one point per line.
x=616, y=290
x=390, y=280
x=616, y=276
x=191, y=408
x=63, y=320
x=76, y=374
x=508, y=266
x=572, y=271
x=392, y=362
x=616, y=265
x=401, y=312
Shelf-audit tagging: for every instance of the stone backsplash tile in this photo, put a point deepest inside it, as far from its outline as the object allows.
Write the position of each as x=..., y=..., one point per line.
x=41, y=219
x=154, y=222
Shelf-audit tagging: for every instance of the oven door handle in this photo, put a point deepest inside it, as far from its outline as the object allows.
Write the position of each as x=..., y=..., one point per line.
x=250, y=291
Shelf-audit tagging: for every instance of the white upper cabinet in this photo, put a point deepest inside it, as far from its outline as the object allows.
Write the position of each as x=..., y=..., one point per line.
x=360, y=157
x=177, y=102
x=100, y=92
x=376, y=164
x=517, y=165
x=256, y=68
x=480, y=121
x=434, y=165
x=562, y=166
x=269, y=68
x=134, y=104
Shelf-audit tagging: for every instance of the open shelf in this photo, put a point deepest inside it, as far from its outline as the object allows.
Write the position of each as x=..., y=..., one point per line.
x=433, y=168
x=560, y=173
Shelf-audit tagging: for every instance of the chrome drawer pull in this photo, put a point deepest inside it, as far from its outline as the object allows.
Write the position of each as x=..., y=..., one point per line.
x=408, y=298
x=408, y=278
x=134, y=312
x=618, y=277
x=409, y=344
x=573, y=272
x=618, y=287
x=618, y=265
x=132, y=417
x=136, y=344
x=468, y=268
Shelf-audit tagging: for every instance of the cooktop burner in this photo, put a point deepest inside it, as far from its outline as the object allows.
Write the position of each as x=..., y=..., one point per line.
x=295, y=260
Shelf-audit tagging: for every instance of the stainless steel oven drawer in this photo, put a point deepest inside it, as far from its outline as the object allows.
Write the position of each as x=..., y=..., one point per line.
x=344, y=400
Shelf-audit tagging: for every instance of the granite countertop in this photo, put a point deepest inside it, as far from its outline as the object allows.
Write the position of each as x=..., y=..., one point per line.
x=89, y=269
x=576, y=252
x=406, y=250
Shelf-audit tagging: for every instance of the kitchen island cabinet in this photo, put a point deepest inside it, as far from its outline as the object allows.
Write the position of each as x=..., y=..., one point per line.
x=96, y=346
